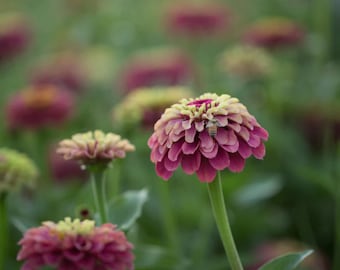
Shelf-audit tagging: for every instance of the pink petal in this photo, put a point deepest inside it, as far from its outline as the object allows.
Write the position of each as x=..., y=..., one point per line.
x=152, y=140
x=210, y=153
x=175, y=150
x=162, y=171
x=244, y=150
x=171, y=165
x=254, y=141
x=190, y=148
x=191, y=163
x=222, y=120
x=231, y=148
x=206, y=173
x=235, y=127
x=190, y=134
x=236, y=118
x=236, y=163
x=156, y=155
x=259, y=152
x=244, y=133
x=261, y=132
x=186, y=124
x=73, y=255
x=199, y=126
x=207, y=142
x=221, y=161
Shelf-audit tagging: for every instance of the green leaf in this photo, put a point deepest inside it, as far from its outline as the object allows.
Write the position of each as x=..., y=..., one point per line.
x=127, y=208
x=286, y=262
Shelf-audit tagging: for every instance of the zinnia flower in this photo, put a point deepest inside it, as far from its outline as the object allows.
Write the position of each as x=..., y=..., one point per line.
x=273, y=33
x=64, y=70
x=75, y=245
x=15, y=35
x=157, y=67
x=205, y=135
x=94, y=147
x=246, y=62
x=39, y=106
x=16, y=170
x=194, y=19
x=145, y=106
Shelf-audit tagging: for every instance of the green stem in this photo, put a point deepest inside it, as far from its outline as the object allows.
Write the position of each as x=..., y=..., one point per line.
x=3, y=230
x=99, y=194
x=221, y=217
x=114, y=183
x=169, y=221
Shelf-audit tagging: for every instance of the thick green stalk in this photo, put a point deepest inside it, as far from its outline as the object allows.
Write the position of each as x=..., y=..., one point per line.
x=222, y=221
x=99, y=194
x=3, y=230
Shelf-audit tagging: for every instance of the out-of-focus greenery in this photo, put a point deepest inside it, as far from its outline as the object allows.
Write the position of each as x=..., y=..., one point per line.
x=291, y=194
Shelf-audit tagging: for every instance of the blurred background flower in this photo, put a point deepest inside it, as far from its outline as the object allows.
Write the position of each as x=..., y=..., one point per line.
x=15, y=34
x=273, y=33
x=157, y=67
x=39, y=106
x=144, y=106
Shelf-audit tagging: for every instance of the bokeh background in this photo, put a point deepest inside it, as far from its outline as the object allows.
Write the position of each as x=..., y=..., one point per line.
x=100, y=51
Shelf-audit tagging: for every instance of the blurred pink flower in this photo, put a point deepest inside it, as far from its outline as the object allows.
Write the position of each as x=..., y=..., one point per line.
x=193, y=19
x=38, y=106
x=64, y=70
x=157, y=67
x=15, y=35
x=205, y=135
x=75, y=245
x=64, y=170
x=274, y=33
x=270, y=250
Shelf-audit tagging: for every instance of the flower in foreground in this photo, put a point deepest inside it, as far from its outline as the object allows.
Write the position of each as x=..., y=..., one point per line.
x=206, y=135
x=246, y=62
x=144, y=106
x=75, y=245
x=16, y=170
x=94, y=147
x=39, y=106
x=274, y=32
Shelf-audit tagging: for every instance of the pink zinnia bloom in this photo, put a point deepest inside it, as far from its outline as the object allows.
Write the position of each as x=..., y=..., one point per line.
x=94, y=147
x=75, y=245
x=273, y=33
x=15, y=35
x=157, y=67
x=197, y=19
x=39, y=106
x=64, y=70
x=205, y=135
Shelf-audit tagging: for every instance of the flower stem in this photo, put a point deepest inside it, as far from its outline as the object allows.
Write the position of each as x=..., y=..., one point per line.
x=3, y=230
x=221, y=217
x=99, y=194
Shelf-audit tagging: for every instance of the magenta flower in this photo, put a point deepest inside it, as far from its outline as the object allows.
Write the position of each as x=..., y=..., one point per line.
x=274, y=33
x=157, y=67
x=205, y=135
x=75, y=245
x=38, y=106
x=63, y=70
x=15, y=35
x=197, y=19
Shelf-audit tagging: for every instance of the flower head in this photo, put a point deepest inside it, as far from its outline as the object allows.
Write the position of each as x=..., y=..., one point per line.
x=77, y=245
x=144, y=106
x=94, y=147
x=274, y=33
x=63, y=69
x=16, y=170
x=194, y=19
x=157, y=67
x=246, y=62
x=205, y=135
x=15, y=35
